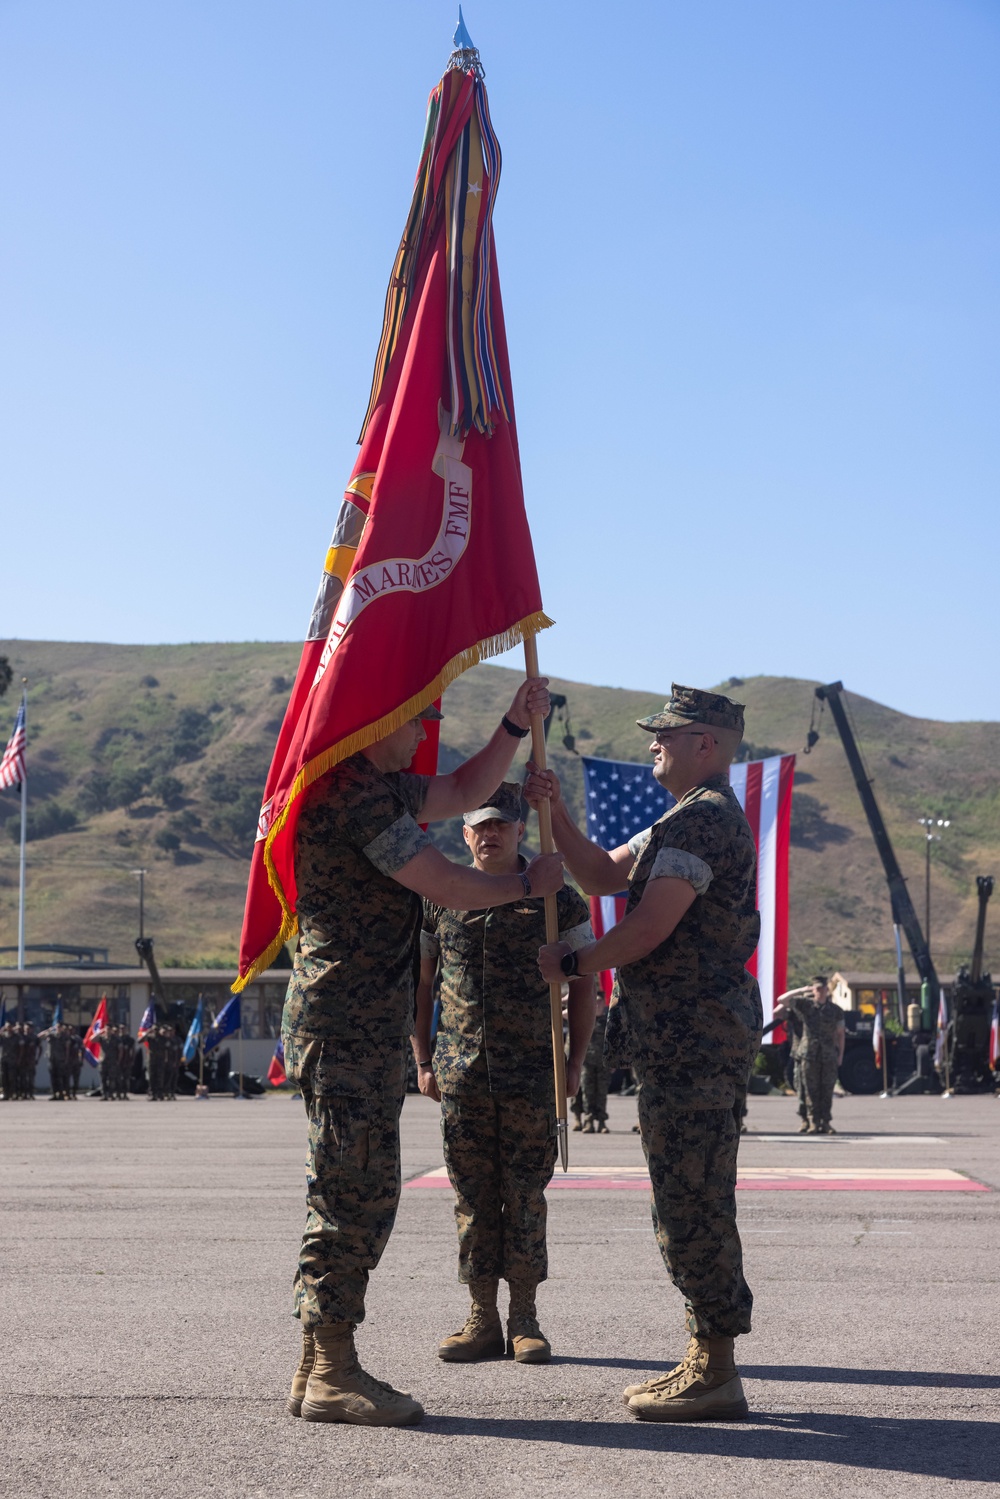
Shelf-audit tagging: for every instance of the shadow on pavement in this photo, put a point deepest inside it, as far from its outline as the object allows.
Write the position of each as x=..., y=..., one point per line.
x=807, y=1373
x=928, y=1448
x=621, y=1363
x=812, y=1374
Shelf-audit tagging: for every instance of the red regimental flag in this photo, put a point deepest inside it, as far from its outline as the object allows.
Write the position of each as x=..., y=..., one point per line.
x=92, y=1040
x=431, y=567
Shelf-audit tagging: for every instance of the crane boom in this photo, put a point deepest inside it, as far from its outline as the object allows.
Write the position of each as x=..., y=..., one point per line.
x=902, y=906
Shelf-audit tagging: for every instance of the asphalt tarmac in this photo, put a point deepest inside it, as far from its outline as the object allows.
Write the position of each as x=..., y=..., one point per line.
x=147, y=1345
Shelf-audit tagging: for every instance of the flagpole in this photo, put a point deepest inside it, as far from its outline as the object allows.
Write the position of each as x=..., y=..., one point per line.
x=201, y=1091
x=885, y=1048
x=24, y=833
x=551, y=917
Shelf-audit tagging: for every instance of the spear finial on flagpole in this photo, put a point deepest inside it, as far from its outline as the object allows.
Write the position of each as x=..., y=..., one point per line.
x=466, y=54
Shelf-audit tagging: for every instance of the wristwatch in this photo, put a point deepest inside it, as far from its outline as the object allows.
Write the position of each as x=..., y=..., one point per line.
x=569, y=964
x=522, y=875
x=513, y=729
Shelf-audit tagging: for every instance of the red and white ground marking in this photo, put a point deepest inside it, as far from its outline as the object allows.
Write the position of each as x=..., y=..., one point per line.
x=759, y=1179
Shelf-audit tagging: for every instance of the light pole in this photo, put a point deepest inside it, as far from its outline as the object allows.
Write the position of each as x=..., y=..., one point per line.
x=928, y=824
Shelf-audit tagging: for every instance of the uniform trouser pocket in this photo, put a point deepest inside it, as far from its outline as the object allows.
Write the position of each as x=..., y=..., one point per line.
x=500, y=1152
x=352, y=1180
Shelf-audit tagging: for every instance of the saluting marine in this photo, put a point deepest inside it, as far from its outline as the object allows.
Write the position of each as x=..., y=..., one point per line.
x=58, y=1047
x=126, y=1056
x=9, y=1052
x=821, y=1048
x=108, y=1038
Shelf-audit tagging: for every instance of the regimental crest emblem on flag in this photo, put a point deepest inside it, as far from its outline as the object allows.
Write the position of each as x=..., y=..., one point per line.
x=264, y=820
x=379, y=580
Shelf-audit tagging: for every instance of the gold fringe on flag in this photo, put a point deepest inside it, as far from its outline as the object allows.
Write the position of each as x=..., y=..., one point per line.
x=495, y=645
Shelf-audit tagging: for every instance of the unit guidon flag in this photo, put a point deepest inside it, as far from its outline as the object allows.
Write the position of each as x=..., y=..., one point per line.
x=431, y=567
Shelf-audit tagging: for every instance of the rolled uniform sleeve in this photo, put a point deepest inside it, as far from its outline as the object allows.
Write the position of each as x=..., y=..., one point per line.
x=387, y=836
x=574, y=919
x=638, y=842
x=400, y=842
x=578, y=936
x=679, y=864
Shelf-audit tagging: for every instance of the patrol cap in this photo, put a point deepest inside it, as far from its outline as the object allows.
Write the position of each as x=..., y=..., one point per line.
x=687, y=705
x=430, y=714
x=503, y=806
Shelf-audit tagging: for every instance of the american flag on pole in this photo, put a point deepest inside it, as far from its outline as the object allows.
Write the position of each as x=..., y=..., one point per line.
x=877, y=1034
x=12, y=769
x=623, y=799
x=941, y=1041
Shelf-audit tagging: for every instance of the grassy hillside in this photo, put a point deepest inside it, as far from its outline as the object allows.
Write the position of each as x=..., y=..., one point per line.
x=154, y=757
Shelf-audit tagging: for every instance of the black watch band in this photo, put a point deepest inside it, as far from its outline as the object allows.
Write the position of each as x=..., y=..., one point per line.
x=428, y=1063
x=569, y=964
x=522, y=875
x=513, y=729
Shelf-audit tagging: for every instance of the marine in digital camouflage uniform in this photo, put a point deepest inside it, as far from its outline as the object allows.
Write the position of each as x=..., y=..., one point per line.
x=109, y=1061
x=796, y=1051
x=31, y=1050
x=821, y=1049
x=74, y=1061
x=57, y=1049
x=686, y=1015
x=172, y=1056
x=492, y=1070
x=593, y=1093
x=156, y=1060
x=126, y=1058
x=9, y=1048
x=362, y=863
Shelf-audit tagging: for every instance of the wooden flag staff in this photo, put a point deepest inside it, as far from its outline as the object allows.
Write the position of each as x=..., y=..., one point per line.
x=551, y=916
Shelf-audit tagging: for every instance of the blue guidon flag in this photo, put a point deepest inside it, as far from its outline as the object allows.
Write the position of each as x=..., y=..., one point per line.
x=229, y=1020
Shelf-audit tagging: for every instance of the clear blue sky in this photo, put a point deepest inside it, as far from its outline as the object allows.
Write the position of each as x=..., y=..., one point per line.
x=749, y=254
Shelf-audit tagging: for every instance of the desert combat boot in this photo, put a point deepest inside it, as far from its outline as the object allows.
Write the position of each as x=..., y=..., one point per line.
x=301, y=1376
x=525, y=1339
x=705, y=1386
x=482, y=1335
x=338, y=1389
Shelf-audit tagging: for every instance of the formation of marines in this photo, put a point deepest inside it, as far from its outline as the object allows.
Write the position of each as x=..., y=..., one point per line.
x=21, y=1048
x=65, y=1058
x=383, y=915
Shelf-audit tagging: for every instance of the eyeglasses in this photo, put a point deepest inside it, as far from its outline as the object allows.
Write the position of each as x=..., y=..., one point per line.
x=665, y=736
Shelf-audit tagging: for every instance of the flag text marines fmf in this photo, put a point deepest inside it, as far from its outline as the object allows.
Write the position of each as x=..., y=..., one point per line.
x=431, y=567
